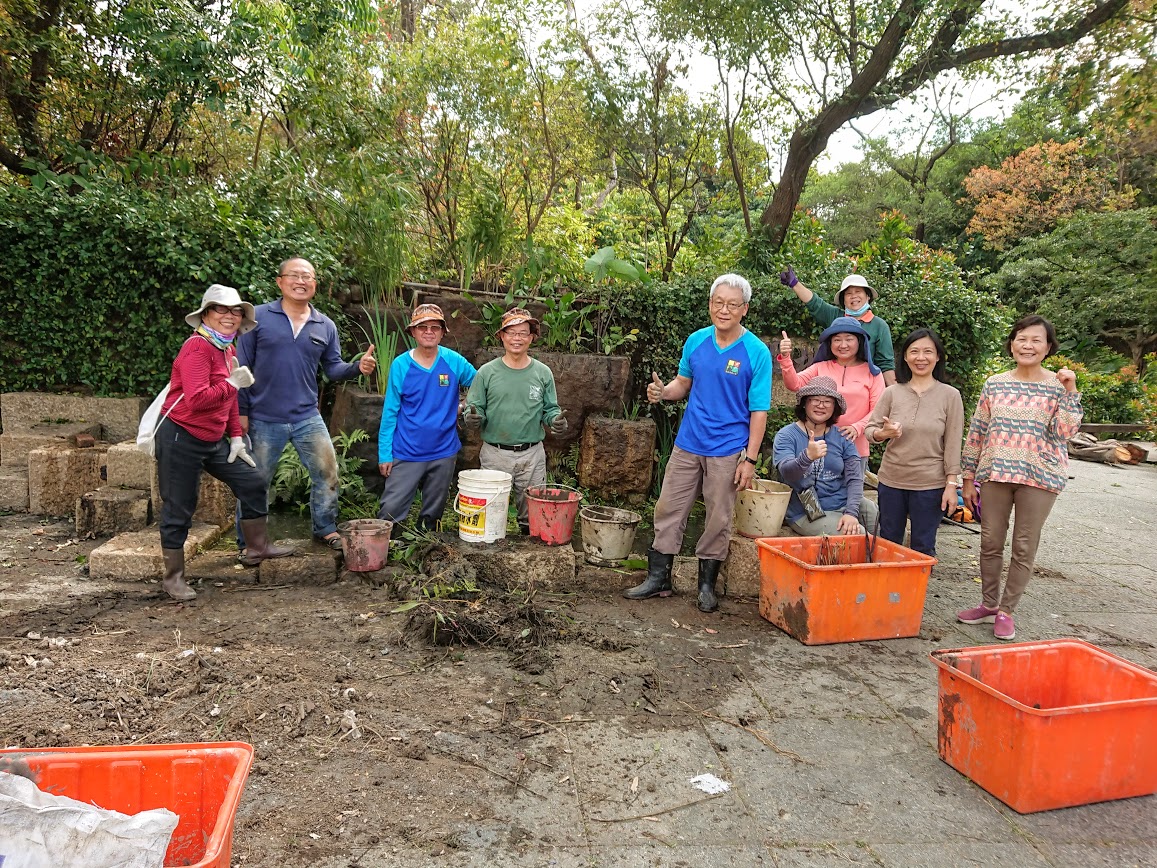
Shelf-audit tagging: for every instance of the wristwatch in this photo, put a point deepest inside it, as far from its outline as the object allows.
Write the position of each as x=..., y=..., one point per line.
x=751, y=460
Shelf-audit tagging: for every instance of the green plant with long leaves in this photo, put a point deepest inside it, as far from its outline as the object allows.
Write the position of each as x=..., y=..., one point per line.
x=566, y=323
x=388, y=338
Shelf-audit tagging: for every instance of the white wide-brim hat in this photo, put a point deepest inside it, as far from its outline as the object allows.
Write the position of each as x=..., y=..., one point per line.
x=226, y=296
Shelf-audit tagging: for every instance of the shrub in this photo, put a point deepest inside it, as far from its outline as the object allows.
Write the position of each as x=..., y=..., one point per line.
x=1117, y=398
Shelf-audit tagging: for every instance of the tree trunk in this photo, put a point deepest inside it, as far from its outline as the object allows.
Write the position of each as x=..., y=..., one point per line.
x=807, y=143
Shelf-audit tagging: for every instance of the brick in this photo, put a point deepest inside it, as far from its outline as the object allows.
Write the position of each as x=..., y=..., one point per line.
x=129, y=467
x=82, y=441
x=215, y=501
x=18, y=439
x=136, y=556
x=58, y=476
x=109, y=511
x=13, y=489
x=517, y=562
x=739, y=575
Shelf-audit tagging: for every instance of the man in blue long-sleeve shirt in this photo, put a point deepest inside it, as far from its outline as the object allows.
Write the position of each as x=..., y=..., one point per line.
x=291, y=341
x=418, y=438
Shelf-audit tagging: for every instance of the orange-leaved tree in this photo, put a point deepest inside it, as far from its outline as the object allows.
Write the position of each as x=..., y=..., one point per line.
x=1036, y=189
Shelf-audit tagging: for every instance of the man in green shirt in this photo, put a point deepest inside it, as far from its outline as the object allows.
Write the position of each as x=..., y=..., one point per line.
x=512, y=398
x=855, y=300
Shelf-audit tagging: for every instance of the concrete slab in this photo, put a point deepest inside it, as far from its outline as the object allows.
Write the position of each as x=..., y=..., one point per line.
x=110, y=510
x=13, y=489
x=129, y=467
x=136, y=556
x=517, y=562
x=58, y=476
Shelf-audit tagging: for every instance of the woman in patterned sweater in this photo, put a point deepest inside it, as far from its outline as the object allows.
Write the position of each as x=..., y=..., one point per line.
x=1015, y=458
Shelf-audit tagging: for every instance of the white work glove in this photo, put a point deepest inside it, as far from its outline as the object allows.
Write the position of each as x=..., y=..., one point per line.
x=240, y=378
x=237, y=450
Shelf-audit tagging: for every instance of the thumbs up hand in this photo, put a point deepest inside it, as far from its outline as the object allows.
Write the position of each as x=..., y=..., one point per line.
x=368, y=363
x=655, y=389
x=817, y=448
x=785, y=345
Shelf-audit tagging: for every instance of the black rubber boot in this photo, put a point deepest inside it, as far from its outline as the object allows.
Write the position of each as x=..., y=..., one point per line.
x=658, y=581
x=708, y=573
x=174, y=581
x=257, y=545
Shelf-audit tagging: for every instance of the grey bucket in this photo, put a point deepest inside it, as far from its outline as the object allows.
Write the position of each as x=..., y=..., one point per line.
x=608, y=533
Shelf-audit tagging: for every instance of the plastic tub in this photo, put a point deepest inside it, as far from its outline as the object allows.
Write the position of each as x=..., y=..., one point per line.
x=365, y=543
x=551, y=510
x=608, y=534
x=482, y=502
x=852, y=601
x=1052, y=724
x=760, y=509
x=201, y=783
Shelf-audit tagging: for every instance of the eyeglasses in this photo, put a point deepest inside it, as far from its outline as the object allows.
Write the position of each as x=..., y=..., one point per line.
x=511, y=334
x=821, y=402
x=226, y=311
x=428, y=327
x=733, y=306
x=299, y=275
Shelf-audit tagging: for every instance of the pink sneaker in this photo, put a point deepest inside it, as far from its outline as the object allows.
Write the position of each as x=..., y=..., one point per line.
x=980, y=615
x=1004, y=629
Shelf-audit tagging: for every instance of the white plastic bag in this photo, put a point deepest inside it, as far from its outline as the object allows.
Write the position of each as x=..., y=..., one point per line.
x=40, y=830
x=151, y=421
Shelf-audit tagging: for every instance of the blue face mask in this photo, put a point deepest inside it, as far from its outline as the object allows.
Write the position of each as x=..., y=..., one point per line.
x=860, y=312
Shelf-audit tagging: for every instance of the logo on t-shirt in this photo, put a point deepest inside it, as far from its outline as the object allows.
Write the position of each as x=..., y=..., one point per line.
x=535, y=393
x=443, y=379
x=733, y=366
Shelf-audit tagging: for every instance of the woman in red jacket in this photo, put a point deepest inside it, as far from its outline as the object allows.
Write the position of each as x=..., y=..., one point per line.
x=201, y=430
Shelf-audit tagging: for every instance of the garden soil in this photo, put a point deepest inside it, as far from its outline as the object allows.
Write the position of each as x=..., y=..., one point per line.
x=570, y=735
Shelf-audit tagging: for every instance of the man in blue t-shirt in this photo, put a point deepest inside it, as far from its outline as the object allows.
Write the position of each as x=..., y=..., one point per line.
x=418, y=438
x=726, y=370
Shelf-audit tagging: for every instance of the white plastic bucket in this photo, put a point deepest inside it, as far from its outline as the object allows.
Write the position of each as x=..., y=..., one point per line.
x=608, y=534
x=483, y=498
x=759, y=510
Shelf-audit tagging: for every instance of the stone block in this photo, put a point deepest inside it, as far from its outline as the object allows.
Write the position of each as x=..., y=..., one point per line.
x=58, y=476
x=215, y=501
x=13, y=489
x=314, y=564
x=617, y=456
x=117, y=417
x=739, y=576
x=110, y=510
x=19, y=439
x=355, y=409
x=517, y=562
x=136, y=556
x=129, y=467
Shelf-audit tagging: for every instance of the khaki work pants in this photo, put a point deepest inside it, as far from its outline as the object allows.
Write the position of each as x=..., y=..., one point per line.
x=687, y=476
x=998, y=500
x=527, y=469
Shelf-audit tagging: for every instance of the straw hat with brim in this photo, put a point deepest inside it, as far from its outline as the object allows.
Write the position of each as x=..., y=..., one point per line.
x=823, y=387
x=518, y=316
x=427, y=313
x=226, y=296
x=854, y=280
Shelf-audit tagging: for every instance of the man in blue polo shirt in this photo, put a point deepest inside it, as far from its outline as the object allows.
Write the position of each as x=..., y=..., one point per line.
x=726, y=370
x=291, y=340
x=418, y=437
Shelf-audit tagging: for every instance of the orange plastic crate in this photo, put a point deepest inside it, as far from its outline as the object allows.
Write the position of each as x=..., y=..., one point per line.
x=1052, y=724
x=850, y=602
x=201, y=783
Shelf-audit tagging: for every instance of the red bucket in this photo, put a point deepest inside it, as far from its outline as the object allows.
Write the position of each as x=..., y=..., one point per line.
x=552, y=511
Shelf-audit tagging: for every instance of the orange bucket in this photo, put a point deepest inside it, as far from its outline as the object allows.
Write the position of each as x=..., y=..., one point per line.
x=552, y=510
x=1051, y=724
x=848, y=601
x=200, y=783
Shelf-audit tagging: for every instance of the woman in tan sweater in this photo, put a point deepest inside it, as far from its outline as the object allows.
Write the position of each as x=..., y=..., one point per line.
x=922, y=418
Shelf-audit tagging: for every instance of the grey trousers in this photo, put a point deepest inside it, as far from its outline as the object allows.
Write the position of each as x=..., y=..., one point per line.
x=829, y=523
x=432, y=478
x=687, y=476
x=998, y=501
x=526, y=468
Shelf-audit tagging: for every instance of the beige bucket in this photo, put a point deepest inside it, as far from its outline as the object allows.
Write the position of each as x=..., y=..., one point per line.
x=483, y=499
x=759, y=510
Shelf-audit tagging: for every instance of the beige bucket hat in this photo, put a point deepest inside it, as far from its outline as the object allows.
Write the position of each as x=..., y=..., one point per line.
x=226, y=296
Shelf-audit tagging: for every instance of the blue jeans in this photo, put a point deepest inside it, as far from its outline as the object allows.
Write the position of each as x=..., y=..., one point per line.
x=315, y=448
x=899, y=506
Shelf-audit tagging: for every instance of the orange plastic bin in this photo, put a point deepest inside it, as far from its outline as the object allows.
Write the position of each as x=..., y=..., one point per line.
x=201, y=783
x=1052, y=724
x=852, y=601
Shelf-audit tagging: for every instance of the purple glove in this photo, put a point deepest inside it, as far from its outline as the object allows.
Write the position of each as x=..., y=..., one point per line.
x=788, y=278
